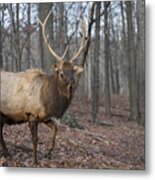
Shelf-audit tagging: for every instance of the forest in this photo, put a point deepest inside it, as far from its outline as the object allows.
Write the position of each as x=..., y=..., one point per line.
x=104, y=126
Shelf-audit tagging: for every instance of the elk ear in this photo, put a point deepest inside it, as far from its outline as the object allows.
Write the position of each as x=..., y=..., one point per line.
x=78, y=69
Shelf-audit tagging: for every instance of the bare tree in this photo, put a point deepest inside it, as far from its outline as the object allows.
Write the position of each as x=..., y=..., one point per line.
x=44, y=8
x=1, y=28
x=18, y=60
x=141, y=58
x=124, y=62
x=134, y=114
x=107, y=56
x=95, y=65
x=61, y=26
x=29, y=36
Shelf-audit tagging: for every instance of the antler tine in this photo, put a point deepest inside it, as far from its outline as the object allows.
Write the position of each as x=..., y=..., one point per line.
x=83, y=44
x=43, y=25
x=65, y=52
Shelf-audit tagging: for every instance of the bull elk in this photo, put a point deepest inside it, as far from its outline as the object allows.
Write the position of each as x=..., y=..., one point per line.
x=33, y=96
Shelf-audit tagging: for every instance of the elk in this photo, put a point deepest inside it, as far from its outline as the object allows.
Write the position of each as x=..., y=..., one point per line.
x=34, y=97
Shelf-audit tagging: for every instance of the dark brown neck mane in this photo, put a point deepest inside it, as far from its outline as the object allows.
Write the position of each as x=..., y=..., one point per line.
x=54, y=97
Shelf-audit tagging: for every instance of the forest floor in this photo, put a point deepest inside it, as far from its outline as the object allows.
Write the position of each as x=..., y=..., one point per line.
x=114, y=143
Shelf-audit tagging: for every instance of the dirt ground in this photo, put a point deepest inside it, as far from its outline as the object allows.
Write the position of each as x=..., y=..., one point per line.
x=114, y=143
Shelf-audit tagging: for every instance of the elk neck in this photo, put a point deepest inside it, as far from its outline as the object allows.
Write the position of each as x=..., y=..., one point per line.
x=56, y=102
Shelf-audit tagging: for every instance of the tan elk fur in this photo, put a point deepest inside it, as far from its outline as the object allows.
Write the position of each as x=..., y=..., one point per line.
x=32, y=92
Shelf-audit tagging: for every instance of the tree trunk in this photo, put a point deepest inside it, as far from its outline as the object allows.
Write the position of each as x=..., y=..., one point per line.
x=114, y=57
x=29, y=37
x=18, y=60
x=141, y=58
x=18, y=39
x=46, y=57
x=113, y=87
x=13, y=33
x=124, y=63
x=61, y=27
x=134, y=114
x=95, y=65
x=106, y=47
x=41, y=40
x=1, y=46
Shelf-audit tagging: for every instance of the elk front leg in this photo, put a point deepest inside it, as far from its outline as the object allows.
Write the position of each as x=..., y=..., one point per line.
x=4, y=148
x=52, y=125
x=34, y=132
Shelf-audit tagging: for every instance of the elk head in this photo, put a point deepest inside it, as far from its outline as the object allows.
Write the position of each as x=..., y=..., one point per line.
x=67, y=72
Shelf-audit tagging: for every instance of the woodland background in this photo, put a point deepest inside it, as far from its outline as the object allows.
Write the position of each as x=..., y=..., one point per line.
x=108, y=111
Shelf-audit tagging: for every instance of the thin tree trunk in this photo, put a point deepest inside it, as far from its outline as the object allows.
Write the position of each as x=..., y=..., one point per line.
x=134, y=114
x=61, y=31
x=95, y=66
x=141, y=58
x=18, y=62
x=113, y=87
x=29, y=37
x=13, y=33
x=1, y=47
x=41, y=40
x=106, y=46
x=46, y=57
x=124, y=63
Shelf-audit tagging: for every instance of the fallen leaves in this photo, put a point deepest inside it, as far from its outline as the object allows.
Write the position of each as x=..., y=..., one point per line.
x=118, y=146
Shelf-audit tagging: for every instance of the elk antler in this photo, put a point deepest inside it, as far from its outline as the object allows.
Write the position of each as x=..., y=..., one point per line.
x=83, y=44
x=63, y=56
x=46, y=39
x=43, y=26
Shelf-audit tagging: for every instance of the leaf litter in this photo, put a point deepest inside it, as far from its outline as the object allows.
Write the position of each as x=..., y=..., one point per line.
x=120, y=145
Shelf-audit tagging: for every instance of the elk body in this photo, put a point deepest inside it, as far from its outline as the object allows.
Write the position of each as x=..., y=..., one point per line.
x=35, y=97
